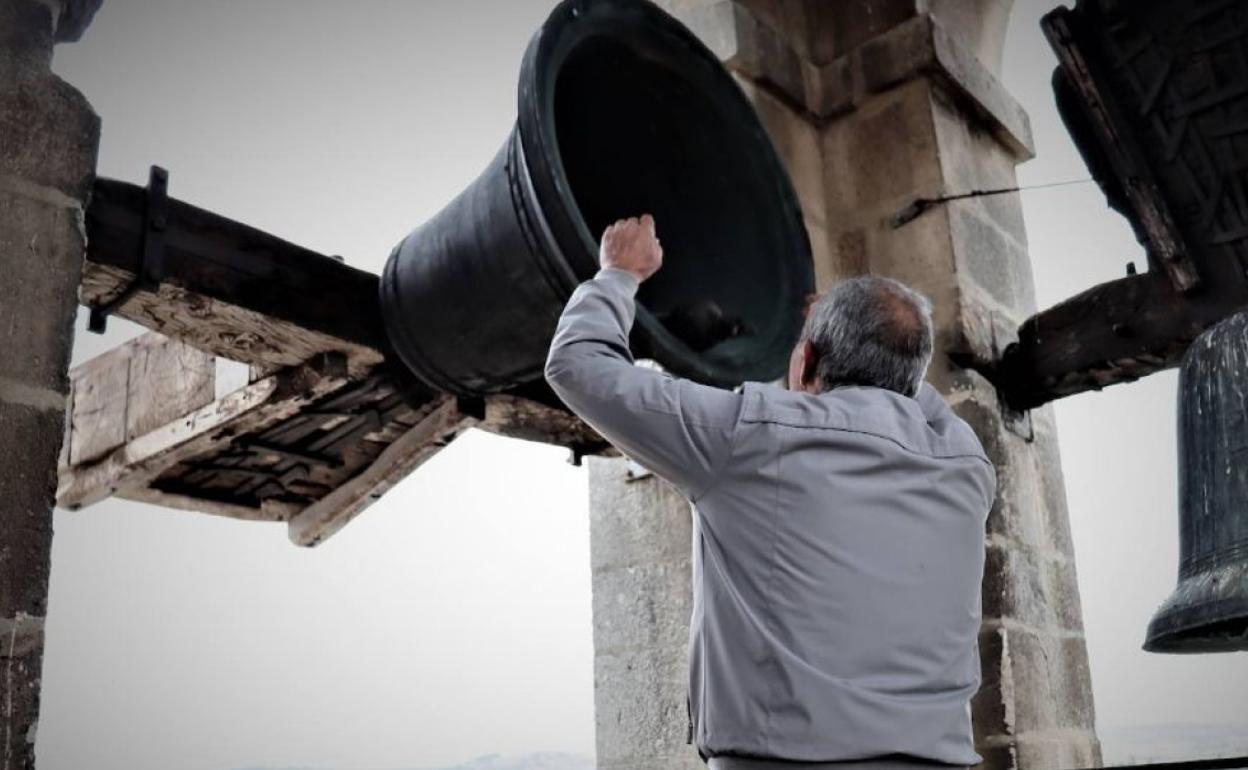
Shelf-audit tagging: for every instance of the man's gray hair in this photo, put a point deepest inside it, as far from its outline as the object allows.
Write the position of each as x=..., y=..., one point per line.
x=871, y=331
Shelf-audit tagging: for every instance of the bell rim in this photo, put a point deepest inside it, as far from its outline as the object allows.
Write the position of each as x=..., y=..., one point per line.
x=1190, y=607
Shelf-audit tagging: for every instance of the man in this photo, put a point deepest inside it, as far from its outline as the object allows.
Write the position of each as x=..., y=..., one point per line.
x=839, y=527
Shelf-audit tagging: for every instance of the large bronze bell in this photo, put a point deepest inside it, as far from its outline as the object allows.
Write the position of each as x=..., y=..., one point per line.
x=1208, y=612
x=621, y=111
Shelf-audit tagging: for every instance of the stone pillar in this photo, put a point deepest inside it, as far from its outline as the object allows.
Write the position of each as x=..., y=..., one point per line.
x=48, y=140
x=640, y=532
x=873, y=104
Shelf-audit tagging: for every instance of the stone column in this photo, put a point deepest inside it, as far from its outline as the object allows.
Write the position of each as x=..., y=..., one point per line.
x=874, y=104
x=640, y=545
x=48, y=140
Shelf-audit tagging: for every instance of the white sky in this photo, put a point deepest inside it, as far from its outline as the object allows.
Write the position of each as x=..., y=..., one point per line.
x=453, y=618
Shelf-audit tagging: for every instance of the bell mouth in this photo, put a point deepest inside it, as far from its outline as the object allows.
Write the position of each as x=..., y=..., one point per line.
x=626, y=113
x=1208, y=612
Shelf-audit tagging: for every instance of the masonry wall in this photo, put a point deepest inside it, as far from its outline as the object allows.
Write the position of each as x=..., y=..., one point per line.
x=873, y=104
x=48, y=140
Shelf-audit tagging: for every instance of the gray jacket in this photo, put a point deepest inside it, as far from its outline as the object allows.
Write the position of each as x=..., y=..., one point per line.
x=838, y=546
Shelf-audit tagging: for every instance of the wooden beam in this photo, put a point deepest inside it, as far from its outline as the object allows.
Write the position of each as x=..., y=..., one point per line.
x=205, y=430
x=230, y=289
x=530, y=420
x=447, y=418
x=269, y=510
x=1115, y=332
x=441, y=425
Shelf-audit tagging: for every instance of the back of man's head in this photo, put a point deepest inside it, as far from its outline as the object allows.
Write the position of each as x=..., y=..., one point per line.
x=871, y=331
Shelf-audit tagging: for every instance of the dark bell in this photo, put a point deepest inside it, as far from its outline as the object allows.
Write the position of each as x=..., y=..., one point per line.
x=622, y=111
x=1208, y=612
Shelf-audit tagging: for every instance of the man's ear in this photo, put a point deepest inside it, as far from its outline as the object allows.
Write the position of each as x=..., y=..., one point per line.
x=810, y=364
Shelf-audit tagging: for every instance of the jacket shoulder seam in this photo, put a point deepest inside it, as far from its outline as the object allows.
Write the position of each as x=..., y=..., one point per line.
x=952, y=455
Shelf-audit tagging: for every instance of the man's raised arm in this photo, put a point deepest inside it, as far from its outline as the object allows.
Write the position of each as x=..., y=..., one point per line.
x=680, y=430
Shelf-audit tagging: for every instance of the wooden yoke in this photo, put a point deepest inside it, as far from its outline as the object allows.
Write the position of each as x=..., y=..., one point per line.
x=325, y=427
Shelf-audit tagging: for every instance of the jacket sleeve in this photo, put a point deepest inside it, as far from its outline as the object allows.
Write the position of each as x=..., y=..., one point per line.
x=679, y=429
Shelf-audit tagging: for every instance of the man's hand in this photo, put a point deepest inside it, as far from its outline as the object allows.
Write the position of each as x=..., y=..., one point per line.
x=630, y=245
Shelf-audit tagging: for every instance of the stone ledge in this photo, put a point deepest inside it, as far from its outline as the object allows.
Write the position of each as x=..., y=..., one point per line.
x=915, y=47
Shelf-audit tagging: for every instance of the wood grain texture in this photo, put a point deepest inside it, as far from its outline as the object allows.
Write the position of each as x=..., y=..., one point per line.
x=168, y=379
x=441, y=425
x=97, y=418
x=199, y=433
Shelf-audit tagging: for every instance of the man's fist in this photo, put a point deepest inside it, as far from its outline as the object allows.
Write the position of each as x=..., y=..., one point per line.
x=630, y=245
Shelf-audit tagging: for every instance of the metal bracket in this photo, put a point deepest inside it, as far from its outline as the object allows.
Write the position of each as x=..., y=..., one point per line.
x=151, y=253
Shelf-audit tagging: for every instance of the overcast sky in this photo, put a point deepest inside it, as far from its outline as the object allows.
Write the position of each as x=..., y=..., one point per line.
x=453, y=618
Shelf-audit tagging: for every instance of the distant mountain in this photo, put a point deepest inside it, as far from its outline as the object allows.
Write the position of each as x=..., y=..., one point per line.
x=1142, y=744
x=543, y=760
x=546, y=760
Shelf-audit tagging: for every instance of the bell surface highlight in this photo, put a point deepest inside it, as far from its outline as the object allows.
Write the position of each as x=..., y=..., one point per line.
x=622, y=111
x=1208, y=612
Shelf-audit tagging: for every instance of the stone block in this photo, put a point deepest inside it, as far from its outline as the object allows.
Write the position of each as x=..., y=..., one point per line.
x=1025, y=585
x=797, y=142
x=883, y=155
x=41, y=246
x=997, y=757
x=823, y=254
x=972, y=159
x=1051, y=682
x=1036, y=675
x=713, y=21
x=1078, y=708
x=675, y=759
x=982, y=96
x=821, y=31
x=19, y=691
x=1017, y=515
x=992, y=259
x=635, y=522
x=984, y=328
x=991, y=713
x=829, y=88
x=766, y=56
x=1049, y=461
x=1063, y=590
x=50, y=135
x=639, y=705
x=32, y=440
x=1057, y=752
x=646, y=606
x=895, y=57
x=26, y=38
x=915, y=254
x=845, y=257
